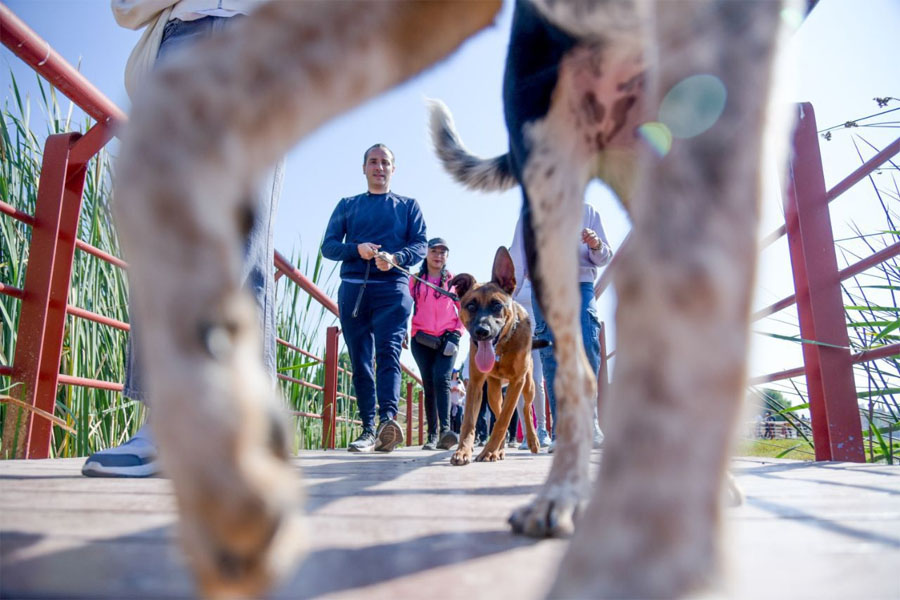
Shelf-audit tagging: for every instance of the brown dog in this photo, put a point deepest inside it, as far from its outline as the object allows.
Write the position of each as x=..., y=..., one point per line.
x=499, y=351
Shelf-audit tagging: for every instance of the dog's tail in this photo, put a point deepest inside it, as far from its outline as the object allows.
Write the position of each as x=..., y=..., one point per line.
x=476, y=173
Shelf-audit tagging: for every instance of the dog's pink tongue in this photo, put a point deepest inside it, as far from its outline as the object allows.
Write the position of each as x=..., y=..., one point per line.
x=484, y=356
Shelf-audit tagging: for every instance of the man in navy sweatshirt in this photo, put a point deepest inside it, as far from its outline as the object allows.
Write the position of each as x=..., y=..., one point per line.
x=374, y=303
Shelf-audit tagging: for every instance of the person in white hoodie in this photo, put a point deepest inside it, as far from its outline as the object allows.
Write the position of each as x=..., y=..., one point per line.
x=169, y=26
x=594, y=252
x=523, y=296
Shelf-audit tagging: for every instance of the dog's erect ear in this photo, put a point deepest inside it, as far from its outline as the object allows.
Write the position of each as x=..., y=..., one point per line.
x=504, y=271
x=463, y=283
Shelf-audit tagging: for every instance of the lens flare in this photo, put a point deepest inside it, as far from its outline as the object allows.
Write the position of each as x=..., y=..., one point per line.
x=792, y=17
x=657, y=136
x=693, y=105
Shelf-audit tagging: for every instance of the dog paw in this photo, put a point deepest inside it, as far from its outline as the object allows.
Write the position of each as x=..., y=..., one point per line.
x=238, y=494
x=461, y=457
x=241, y=525
x=491, y=455
x=551, y=514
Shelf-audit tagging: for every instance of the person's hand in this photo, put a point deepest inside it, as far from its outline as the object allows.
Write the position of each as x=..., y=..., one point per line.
x=367, y=250
x=384, y=261
x=590, y=237
x=405, y=343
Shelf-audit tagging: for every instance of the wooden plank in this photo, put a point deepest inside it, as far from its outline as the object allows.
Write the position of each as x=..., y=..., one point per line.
x=399, y=525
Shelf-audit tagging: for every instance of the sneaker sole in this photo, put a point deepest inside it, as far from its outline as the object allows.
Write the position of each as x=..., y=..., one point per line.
x=126, y=472
x=447, y=441
x=389, y=438
x=366, y=449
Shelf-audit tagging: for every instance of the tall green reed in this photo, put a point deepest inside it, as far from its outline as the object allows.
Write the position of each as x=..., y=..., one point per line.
x=103, y=418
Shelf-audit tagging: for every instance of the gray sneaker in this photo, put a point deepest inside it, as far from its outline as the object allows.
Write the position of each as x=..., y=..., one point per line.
x=431, y=442
x=388, y=436
x=364, y=443
x=134, y=458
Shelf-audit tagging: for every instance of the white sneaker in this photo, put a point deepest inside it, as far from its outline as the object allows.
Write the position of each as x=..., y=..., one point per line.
x=523, y=445
x=134, y=458
x=598, y=436
x=552, y=447
x=543, y=437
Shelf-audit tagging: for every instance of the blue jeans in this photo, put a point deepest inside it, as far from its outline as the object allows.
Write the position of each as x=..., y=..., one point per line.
x=374, y=338
x=590, y=333
x=257, y=272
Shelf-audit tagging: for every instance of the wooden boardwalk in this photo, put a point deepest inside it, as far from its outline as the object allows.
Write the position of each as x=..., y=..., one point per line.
x=408, y=525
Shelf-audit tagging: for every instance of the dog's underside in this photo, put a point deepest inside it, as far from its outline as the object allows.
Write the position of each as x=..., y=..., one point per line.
x=207, y=125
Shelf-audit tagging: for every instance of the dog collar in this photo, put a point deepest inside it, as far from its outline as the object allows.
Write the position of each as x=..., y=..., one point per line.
x=497, y=340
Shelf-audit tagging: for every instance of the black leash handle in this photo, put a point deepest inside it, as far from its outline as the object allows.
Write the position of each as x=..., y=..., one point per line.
x=361, y=290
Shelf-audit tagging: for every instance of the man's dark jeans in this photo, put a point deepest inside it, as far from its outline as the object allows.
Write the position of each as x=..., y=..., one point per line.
x=374, y=337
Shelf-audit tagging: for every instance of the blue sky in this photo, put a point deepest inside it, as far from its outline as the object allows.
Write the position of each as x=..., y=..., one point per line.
x=846, y=51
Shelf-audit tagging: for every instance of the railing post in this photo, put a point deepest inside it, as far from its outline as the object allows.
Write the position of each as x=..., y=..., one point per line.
x=43, y=314
x=409, y=411
x=837, y=432
x=421, y=417
x=329, y=406
x=602, y=375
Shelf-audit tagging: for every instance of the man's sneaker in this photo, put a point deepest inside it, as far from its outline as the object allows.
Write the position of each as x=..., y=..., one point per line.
x=448, y=440
x=388, y=437
x=510, y=441
x=134, y=458
x=431, y=442
x=524, y=444
x=552, y=447
x=364, y=443
x=543, y=437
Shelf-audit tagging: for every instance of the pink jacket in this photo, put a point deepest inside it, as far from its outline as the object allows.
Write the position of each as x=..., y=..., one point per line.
x=433, y=315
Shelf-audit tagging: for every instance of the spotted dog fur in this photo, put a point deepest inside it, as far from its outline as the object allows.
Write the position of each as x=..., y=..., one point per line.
x=202, y=130
x=207, y=125
x=581, y=78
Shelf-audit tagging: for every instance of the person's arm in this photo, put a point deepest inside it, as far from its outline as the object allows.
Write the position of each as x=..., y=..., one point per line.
x=134, y=14
x=333, y=246
x=599, y=250
x=414, y=251
x=517, y=253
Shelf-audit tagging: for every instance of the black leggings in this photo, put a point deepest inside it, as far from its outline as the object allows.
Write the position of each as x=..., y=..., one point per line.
x=435, y=369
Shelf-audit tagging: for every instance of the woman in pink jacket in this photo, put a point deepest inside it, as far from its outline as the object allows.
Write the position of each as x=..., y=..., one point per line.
x=435, y=334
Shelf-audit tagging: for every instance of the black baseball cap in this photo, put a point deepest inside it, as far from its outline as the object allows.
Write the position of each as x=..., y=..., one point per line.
x=433, y=242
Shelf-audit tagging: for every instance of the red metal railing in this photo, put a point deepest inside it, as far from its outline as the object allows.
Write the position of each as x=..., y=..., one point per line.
x=44, y=299
x=828, y=368
x=828, y=363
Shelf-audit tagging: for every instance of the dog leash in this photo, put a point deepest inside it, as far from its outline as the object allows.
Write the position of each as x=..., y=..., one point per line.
x=386, y=257
x=361, y=290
